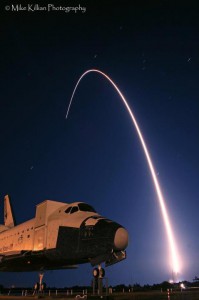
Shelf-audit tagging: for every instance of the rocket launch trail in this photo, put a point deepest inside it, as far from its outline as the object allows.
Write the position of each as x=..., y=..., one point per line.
x=162, y=203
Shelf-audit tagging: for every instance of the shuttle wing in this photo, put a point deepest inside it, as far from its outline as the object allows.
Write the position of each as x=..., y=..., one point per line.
x=24, y=261
x=10, y=253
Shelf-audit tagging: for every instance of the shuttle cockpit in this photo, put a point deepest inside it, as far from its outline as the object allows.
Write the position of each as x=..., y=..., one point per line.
x=79, y=207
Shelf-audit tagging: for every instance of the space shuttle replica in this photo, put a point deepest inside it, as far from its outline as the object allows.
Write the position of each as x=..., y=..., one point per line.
x=61, y=236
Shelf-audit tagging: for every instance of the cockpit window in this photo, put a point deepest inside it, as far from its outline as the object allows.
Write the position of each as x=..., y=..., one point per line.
x=86, y=207
x=81, y=207
x=67, y=211
x=74, y=209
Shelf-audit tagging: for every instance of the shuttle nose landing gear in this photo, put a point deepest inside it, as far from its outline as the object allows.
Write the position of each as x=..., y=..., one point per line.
x=98, y=274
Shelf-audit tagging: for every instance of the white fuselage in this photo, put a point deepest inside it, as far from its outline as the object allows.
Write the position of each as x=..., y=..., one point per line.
x=17, y=238
x=33, y=236
x=60, y=236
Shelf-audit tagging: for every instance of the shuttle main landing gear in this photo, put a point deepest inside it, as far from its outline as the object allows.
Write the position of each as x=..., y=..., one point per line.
x=41, y=275
x=40, y=286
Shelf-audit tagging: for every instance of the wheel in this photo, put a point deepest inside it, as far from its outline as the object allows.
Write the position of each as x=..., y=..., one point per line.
x=43, y=286
x=36, y=286
x=95, y=272
x=101, y=273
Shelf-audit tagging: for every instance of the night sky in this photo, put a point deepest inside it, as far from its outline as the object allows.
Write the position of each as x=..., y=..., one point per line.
x=151, y=50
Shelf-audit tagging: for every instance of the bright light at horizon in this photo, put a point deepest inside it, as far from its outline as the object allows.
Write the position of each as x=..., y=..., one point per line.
x=170, y=235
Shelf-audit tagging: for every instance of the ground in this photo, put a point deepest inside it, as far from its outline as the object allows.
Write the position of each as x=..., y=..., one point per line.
x=154, y=295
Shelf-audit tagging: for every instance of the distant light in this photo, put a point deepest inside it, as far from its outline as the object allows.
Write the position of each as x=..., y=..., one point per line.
x=182, y=286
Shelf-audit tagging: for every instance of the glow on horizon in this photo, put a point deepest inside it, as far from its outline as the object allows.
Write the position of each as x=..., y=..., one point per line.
x=170, y=235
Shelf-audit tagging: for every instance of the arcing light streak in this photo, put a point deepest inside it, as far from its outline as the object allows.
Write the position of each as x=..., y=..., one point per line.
x=170, y=236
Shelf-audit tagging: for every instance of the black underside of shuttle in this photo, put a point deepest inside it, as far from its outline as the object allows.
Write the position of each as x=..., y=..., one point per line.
x=74, y=246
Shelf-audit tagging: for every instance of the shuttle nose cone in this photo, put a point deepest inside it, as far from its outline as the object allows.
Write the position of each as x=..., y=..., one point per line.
x=121, y=239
